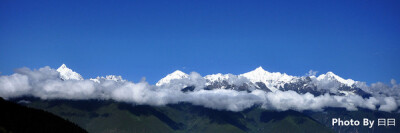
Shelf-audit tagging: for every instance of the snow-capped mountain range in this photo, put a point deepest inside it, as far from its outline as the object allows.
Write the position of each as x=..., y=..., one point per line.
x=68, y=74
x=256, y=79
x=273, y=81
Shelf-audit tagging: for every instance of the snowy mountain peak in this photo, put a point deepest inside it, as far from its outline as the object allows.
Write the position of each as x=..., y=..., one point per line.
x=328, y=76
x=259, y=69
x=175, y=75
x=261, y=75
x=258, y=74
x=178, y=73
x=68, y=74
x=332, y=76
x=273, y=80
x=63, y=66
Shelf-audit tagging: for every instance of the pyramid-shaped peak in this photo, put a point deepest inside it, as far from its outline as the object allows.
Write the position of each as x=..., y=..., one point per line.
x=332, y=76
x=259, y=69
x=63, y=66
x=66, y=73
x=330, y=73
x=178, y=72
x=174, y=75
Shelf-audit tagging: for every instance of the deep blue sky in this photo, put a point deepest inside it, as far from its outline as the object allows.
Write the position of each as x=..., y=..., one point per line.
x=135, y=39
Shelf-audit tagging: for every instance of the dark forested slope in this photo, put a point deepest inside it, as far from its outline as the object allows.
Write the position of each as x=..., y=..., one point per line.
x=20, y=119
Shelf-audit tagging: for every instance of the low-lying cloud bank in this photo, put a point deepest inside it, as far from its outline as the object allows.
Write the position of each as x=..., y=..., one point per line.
x=45, y=83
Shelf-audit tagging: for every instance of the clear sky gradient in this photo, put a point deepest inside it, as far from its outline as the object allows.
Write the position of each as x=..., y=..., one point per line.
x=135, y=39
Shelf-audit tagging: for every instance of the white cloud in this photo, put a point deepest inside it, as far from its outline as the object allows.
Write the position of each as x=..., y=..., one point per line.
x=46, y=84
x=223, y=99
x=390, y=104
x=14, y=85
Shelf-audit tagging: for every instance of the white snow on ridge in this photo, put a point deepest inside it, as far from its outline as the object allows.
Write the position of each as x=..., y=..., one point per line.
x=175, y=75
x=68, y=74
x=46, y=83
x=330, y=76
x=229, y=78
x=272, y=80
x=216, y=77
